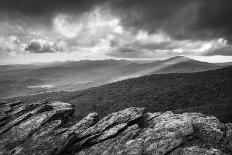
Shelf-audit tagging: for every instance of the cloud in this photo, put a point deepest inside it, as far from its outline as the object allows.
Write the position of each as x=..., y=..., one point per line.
x=215, y=18
x=66, y=28
x=10, y=45
x=47, y=7
x=224, y=51
x=96, y=24
x=42, y=46
x=191, y=19
x=117, y=28
x=93, y=30
x=181, y=18
x=155, y=45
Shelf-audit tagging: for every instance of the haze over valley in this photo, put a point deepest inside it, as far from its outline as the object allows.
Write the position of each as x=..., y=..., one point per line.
x=18, y=80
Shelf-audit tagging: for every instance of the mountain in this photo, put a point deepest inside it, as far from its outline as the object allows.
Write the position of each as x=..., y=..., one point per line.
x=208, y=92
x=79, y=75
x=5, y=68
x=181, y=64
x=48, y=128
x=225, y=64
x=178, y=64
x=146, y=61
x=69, y=75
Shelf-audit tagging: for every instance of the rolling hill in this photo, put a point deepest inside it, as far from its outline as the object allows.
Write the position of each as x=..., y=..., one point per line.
x=79, y=75
x=178, y=64
x=208, y=92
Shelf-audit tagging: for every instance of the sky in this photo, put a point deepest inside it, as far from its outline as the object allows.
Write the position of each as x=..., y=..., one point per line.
x=59, y=30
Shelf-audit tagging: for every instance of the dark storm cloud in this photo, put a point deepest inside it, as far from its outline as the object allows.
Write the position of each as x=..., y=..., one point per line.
x=147, y=14
x=204, y=19
x=40, y=46
x=215, y=18
x=47, y=7
x=182, y=19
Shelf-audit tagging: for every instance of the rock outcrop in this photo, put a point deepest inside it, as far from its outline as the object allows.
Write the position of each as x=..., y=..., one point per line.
x=42, y=129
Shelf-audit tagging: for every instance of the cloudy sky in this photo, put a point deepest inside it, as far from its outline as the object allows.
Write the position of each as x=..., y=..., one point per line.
x=49, y=30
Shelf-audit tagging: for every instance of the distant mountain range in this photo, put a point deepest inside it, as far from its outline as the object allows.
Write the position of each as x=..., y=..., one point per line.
x=208, y=92
x=79, y=75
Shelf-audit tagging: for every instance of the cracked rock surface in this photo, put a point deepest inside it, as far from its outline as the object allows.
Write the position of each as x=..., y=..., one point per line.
x=41, y=129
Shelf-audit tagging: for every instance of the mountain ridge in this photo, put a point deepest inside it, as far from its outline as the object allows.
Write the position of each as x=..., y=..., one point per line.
x=79, y=75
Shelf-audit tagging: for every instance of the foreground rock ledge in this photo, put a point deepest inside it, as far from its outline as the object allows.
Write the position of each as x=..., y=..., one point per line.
x=41, y=129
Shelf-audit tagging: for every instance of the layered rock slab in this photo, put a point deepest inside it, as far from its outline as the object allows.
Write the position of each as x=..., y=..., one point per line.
x=38, y=128
x=19, y=130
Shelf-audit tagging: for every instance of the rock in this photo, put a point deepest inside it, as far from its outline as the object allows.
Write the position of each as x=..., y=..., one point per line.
x=228, y=135
x=4, y=110
x=15, y=112
x=23, y=130
x=196, y=150
x=165, y=132
x=18, y=115
x=115, y=122
x=96, y=138
x=134, y=147
x=15, y=103
x=149, y=116
x=84, y=124
x=162, y=134
x=114, y=145
x=40, y=142
x=50, y=143
x=160, y=143
x=29, y=124
x=72, y=134
x=109, y=133
x=14, y=122
x=49, y=140
x=172, y=122
x=39, y=129
x=208, y=129
x=2, y=102
x=127, y=115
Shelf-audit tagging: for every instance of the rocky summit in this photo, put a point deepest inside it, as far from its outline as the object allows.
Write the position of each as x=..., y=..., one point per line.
x=42, y=129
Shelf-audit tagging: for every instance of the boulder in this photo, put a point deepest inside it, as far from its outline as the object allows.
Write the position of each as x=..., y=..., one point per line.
x=29, y=123
x=84, y=124
x=134, y=147
x=127, y=115
x=208, y=129
x=15, y=118
x=49, y=141
x=113, y=145
x=165, y=132
x=40, y=142
x=109, y=133
x=40, y=129
x=228, y=135
x=196, y=150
